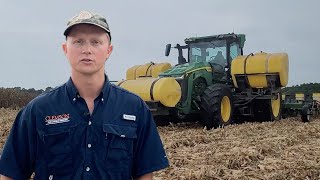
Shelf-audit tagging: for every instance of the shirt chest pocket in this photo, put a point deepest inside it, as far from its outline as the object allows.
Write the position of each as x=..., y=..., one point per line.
x=58, y=150
x=119, y=143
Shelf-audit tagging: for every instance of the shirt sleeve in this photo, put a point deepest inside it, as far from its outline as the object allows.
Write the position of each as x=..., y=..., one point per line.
x=17, y=159
x=149, y=153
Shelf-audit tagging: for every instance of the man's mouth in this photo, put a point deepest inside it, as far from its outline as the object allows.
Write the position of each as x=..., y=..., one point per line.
x=86, y=60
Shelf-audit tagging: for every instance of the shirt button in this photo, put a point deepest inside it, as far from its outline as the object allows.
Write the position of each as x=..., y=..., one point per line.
x=88, y=169
x=89, y=123
x=74, y=99
x=89, y=145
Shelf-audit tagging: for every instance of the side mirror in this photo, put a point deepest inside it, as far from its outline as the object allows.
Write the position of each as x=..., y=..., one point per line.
x=168, y=48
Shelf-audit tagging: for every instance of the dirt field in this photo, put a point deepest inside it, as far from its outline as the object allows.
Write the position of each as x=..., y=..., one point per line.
x=287, y=149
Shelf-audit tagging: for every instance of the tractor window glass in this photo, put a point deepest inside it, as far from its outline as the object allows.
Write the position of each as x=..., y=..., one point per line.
x=234, y=50
x=195, y=54
x=217, y=54
x=208, y=51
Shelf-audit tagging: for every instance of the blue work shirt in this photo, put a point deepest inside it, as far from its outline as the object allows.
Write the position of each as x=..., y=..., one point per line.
x=56, y=137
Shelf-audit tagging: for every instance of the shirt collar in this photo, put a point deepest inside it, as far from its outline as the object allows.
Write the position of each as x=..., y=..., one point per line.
x=74, y=94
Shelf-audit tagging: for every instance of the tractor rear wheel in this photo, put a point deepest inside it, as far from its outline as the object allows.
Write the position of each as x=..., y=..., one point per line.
x=217, y=106
x=268, y=110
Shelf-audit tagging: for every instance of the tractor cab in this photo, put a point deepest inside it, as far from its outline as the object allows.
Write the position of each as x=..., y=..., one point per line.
x=218, y=51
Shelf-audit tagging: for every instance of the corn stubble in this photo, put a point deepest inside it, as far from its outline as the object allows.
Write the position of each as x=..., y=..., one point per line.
x=286, y=149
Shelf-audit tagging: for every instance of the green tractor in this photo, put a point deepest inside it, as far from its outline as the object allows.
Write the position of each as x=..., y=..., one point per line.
x=216, y=84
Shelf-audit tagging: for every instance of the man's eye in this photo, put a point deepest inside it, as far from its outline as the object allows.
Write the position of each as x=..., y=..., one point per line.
x=77, y=41
x=96, y=42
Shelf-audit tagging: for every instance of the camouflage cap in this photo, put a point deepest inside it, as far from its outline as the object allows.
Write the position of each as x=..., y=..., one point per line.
x=86, y=17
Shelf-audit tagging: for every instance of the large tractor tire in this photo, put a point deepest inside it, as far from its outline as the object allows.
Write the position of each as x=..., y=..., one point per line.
x=268, y=110
x=217, y=106
x=306, y=113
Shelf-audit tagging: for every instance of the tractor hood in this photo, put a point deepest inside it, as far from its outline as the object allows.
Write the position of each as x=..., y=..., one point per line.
x=182, y=69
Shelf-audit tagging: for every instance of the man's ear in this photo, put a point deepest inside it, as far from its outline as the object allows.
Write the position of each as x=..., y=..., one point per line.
x=64, y=48
x=109, y=51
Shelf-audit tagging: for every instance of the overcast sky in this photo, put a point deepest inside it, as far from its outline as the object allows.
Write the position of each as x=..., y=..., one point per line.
x=31, y=34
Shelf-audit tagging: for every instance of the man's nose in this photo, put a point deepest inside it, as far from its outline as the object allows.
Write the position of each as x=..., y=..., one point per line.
x=87, y=49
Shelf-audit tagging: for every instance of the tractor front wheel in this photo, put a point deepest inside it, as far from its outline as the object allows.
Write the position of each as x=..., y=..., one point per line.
x=217, y=106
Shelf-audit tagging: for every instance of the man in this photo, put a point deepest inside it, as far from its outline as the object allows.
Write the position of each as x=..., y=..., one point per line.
x=86, y=128
x=219, y=63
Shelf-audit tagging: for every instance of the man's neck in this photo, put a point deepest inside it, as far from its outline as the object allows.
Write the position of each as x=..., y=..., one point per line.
x=89, y=87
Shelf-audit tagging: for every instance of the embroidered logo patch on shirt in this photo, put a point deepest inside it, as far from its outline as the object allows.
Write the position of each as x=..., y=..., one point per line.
x=129, y=117
x=57, y=119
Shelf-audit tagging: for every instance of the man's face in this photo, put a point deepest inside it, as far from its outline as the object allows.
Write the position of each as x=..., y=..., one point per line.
x=87, y=48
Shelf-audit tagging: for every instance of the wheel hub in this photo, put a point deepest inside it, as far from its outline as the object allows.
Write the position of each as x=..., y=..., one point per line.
x=225, y=109
x=275, y=103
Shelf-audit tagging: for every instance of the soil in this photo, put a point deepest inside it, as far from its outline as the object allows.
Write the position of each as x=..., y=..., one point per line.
x=285, y=149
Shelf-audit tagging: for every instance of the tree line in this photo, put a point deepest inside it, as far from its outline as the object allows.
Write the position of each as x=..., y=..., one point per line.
x=18, y=97
x=308, y=88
